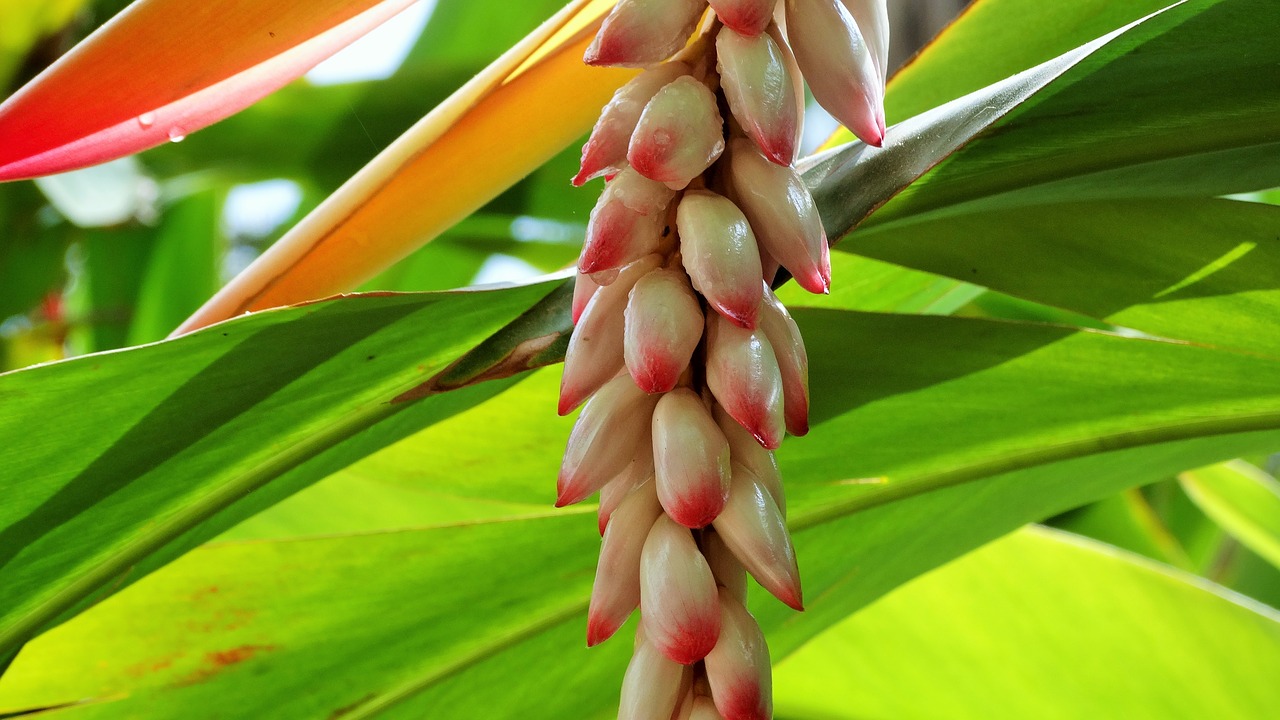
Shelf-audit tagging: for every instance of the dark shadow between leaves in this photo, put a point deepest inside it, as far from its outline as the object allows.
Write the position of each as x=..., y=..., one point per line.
x=254, y=367
x=1098, y=258
x=889, y=359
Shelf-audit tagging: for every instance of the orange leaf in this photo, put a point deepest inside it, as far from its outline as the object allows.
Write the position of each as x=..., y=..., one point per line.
x=162, y=69
x=511, y=118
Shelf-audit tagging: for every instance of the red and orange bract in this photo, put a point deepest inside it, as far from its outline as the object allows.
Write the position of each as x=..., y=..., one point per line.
x=114, y=95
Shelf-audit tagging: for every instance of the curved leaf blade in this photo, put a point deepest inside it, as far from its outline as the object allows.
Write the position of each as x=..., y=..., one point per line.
x=1096, y=632
x=1198, y=270
x=992, y=39
x=1185, y=104
x=879, y=539
x=1241, y=498
x=852, y=181
x=114, y=95
x=199, y=429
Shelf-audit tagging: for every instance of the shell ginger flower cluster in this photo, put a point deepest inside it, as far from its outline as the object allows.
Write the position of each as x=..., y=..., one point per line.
x=690, y=368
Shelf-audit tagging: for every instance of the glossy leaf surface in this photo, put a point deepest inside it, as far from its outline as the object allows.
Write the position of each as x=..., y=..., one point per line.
x=1042, y=624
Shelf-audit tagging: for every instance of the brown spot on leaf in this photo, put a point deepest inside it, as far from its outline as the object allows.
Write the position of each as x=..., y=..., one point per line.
x=219, y=660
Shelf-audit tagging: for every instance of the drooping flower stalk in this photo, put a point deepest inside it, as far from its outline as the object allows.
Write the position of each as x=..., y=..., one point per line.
x=690, y=367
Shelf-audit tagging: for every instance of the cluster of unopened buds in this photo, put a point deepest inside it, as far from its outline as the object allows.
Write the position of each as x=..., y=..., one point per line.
x=690, y=368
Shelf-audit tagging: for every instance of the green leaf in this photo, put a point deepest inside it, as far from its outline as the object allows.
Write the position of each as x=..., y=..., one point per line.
x=401, y=624
x=182, y=270
x=879, y=535
x=934, y=435
x=1048, y=625
x=195, y=428
x=1244, y=500
x=1128, y=522
x=993, y=39
x=1183, y=104
x=32, y=252
x=1205, y=271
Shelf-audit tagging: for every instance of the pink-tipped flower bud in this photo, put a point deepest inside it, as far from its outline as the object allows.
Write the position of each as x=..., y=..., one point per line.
x=872, y=19
x=584, y=288
x=782, y=214
x=651, y=687
x=793, y=362
x=638, y=472
x=616, y=591
x=704, y=708
x=749, y=17
x=605, y=438
x=606, y=150
x=725, y=567
x=753, y=528
x=746, y=454
x=761, y=93
x=684, y=710
x=691, y=459
x=837, y=63
x=626, y=223
x=742, y=372
x=595, y=352
x=720, y=254
x=639, y=33
x=604, y=278
x=680, y=608
x=738, y=668
x=679, y=134
x=663, y=327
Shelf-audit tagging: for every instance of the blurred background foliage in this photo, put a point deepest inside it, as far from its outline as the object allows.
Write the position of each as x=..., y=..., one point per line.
x=118, y=255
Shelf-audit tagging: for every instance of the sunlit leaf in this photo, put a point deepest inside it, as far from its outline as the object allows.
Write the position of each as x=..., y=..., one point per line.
x=1197, y=270
x=1015, y=449
x=114, y=95
x=1048, y=625
x=1244, y=500
x=1185, y=104
x=192, y=429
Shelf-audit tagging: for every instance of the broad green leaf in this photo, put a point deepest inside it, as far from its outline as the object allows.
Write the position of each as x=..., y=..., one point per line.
x=1203, y=271
x=113, y=95
x=852, y=181
x=861, y=283
x=856, y=540
x=1244, y=500
x=401, y=624
x=192, y=429
x=1184, y=104
x=934, y=435
x=1047, y=625
x=993, y=39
